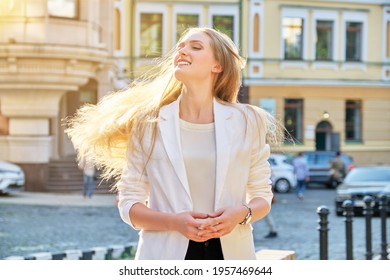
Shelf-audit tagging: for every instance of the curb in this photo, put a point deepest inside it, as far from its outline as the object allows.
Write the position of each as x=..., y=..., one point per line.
x=95, y=253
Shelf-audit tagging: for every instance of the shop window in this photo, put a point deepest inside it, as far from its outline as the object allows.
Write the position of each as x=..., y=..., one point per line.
x=353, y=120
x=293, y=119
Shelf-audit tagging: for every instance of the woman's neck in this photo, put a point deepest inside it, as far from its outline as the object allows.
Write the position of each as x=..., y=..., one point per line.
x=196, y=107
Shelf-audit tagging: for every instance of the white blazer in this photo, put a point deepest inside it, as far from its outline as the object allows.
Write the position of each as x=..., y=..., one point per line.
x=243, y=173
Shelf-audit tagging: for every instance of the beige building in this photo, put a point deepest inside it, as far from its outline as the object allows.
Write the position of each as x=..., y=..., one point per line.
x=321, y=66
x=54, y=56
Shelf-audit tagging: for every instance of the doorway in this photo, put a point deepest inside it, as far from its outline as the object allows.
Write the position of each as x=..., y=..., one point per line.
x=324, y=136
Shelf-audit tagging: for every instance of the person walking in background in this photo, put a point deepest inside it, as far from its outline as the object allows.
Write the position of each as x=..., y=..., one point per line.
x=338, y=170
x=86, y=165
x=192, y=162
x=270, y=221
x=301, y=171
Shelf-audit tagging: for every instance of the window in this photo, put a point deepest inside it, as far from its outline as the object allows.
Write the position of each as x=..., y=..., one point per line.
x=151, y=34
x=293, y=119
x=386, y=33
x=324, y=49
x=224, y=24
x=387, y=38
x=293, y=38
x=353, y=48
x=184, y=21
x=63, y=8
x=353, y=120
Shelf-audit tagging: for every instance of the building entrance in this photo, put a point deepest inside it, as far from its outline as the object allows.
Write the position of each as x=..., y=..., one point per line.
x=326, y=139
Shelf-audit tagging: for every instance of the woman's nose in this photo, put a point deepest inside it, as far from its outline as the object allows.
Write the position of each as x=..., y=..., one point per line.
x=183, y=51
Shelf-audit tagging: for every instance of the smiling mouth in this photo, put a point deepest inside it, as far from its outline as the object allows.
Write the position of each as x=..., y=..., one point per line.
x=183, y=63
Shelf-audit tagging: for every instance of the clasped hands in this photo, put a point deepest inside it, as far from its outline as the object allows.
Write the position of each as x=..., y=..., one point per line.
x=201, y=227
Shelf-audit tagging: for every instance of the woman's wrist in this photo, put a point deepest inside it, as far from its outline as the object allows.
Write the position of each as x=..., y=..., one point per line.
x=243, y=213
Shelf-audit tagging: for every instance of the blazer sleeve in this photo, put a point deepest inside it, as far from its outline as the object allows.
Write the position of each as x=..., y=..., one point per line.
x=259, y=181
x=133, y=186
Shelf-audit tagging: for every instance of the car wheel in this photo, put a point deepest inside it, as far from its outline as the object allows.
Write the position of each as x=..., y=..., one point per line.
x=282, y=185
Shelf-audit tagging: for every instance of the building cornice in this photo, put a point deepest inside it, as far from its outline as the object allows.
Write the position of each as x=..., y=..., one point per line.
x=314, y=82
x=55, y=51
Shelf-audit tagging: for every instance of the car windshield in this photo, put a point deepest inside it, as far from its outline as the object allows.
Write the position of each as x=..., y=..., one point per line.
x=368, y=174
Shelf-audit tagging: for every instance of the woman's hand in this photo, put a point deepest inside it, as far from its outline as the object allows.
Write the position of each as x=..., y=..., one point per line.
x=222, y=222
x=190, y=225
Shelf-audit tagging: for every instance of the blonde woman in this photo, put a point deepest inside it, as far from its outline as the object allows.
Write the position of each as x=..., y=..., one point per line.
x=195, y=173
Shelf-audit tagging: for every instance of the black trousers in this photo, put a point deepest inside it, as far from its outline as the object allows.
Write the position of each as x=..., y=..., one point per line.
x=208, y=250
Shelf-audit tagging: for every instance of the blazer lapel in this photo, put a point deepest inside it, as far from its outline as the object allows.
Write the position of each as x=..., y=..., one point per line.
x=170, y=133
x=223, y=132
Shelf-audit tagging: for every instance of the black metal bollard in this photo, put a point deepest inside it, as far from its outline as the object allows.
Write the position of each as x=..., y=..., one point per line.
x=323, y=212
x=368, y=212
x=348, y=213
x=383, y=211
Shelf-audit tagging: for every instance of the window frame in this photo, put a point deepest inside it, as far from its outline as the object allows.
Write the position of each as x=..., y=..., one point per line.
x=299, y=139
x=150, y=9
x=386, y=43
x=386, y=35
x=184, y=9
x=354, y=17
x=360, y=139
x=295, y=13
x=226, y=10
x=325, y=16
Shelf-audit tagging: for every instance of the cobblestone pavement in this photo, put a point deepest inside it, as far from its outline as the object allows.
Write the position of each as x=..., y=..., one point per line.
x=31, y=223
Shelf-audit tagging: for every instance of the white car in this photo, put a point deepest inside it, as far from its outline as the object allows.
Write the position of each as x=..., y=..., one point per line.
x=282, y=173
x=11, y=177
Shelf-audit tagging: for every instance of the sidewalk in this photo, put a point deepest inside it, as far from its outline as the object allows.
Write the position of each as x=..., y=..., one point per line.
x=59, y=199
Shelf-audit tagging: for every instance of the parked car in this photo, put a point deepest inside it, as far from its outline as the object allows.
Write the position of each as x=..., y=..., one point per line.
x=11, y=177
x=319, y=166
x=362, y=181
x=282, y=173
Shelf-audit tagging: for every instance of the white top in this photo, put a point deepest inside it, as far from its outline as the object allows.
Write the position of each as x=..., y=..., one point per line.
x=198, y=146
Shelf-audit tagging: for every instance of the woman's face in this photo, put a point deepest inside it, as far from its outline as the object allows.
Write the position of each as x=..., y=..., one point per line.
x=194, y=59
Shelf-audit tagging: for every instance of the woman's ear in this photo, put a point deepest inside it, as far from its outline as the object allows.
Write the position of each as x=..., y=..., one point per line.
x=217, y=68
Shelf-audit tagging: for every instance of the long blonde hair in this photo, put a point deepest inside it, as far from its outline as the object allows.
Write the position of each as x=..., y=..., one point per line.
x=102, y=131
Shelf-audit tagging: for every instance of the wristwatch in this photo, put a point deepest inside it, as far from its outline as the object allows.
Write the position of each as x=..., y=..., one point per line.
x=248, y=216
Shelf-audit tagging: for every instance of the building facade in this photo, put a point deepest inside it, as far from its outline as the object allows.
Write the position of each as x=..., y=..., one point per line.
x=322, y=67
x=55, y=55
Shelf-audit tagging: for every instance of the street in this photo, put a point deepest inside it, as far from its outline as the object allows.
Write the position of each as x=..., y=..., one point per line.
x=27, y=229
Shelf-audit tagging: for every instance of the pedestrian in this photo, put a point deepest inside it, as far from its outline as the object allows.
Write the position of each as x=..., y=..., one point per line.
x=270, y=222
x=338, y=170
x=301, y=172
x=195, y=173
x=86, y=165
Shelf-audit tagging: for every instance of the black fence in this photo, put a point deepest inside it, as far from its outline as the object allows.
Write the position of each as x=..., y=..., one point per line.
x=348, y=213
